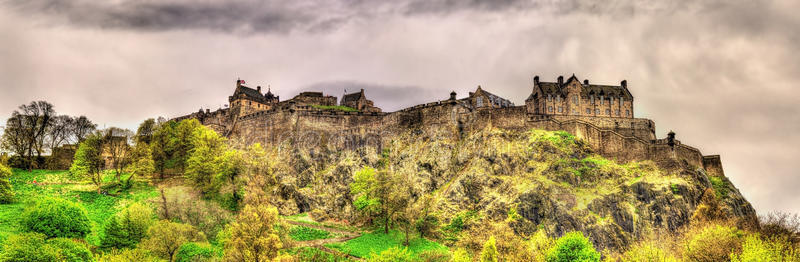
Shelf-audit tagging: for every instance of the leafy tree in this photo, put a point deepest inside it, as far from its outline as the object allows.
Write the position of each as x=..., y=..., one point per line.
x=116, y=141
x=194, y=252
x=127, y=227
x=573, y=246
x=28, y=247
x=230, y=173
x=380, y=194
x=88, y=160
x=489, y=252
x=6, y=191
x=128, y=255
x=205, y=160
x=141, y=163
x=254, y=236
x=184, y=205
x=70, y=250
x=144, y=134
x=159, y=145
x=165, y=237
x=181, y=144
x=712, y=243
x=56, y=217
x=461, y=255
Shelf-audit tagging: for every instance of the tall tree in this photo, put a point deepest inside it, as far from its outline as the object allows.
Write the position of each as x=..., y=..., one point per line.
x=205, y=161
x=14, y=136
x=144, y=134
x=59, y=131
x=88, y=160
x=26, y=129
x=141, y=162
x=380, y=194
x=254, y=236
x=116, y=141
x=81, y=127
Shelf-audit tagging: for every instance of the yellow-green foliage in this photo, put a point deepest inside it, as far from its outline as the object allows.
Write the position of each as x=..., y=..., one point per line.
x=391, y=255
x=461, y=255
x=6, y=192
x=755, y=249
x=573, y=246
x=489, y=252
x=647, y=252
x=712, y=243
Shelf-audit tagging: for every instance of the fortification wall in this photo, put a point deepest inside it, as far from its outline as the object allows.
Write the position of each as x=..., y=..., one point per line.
x=623, y=139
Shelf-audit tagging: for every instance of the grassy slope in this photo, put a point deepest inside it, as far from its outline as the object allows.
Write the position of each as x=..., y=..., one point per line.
x=58, y=184
x=375, y=242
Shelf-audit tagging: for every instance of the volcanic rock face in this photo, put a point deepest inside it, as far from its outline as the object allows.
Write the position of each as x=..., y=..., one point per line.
x=551, y=180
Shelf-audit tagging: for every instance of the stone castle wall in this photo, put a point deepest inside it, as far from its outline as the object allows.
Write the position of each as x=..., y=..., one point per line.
x=623, y=139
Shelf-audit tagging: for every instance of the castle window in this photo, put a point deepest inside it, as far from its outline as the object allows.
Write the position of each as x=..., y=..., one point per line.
x=597, y=111
x=249, y=103
x=575, y=99
x=574, y=111
x=601, y=100
x=588, y=111
x=480, y=101
x=592, y=99
x=612, y=101
x=627, y=112
x=617, y=112
x=550, y=109
x=549, y=98
x=608, y=111
x=558, y=99
x=561, y=109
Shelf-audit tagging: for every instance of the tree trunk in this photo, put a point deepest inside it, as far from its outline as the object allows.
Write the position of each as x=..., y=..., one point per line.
x=164, y=205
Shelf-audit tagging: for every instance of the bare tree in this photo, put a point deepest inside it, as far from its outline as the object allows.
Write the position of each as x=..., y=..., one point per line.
x=59, y=131
x=81, y=127
x=27, y=128
x=14, y=139
x=117, y=142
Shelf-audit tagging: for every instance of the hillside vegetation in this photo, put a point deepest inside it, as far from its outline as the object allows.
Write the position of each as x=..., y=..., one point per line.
x=184, y=193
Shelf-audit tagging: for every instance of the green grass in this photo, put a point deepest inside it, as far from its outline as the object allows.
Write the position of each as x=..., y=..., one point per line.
x=340, y=108
x=315, y=254
x=375, y=242
x=303, y=233
x=720, y=186
x=59, y=184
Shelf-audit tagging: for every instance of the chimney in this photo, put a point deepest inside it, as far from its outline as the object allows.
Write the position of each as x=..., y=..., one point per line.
x=586, y=82
x=536, y=80
x=238, y=82
x=453, y=95
x=560, y=80
x=259, y=89
x=624, y=83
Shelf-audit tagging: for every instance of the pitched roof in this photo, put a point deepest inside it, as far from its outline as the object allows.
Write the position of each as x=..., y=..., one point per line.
x=586, y=89
x=352, y=97
x=250, y=93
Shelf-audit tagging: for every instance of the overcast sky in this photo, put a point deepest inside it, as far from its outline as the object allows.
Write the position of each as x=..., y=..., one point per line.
x=722, y=74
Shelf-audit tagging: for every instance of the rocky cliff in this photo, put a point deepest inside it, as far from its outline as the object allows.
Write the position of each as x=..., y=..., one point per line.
x=530, y=180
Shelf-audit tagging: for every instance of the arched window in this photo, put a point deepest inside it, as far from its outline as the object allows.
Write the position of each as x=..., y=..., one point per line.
x=550, y=109
x=575, y=99
x=549, y=98
x=612, y=101
x=588, y=111
x=608, y=111
x=601, y=100
x=627, y=112
x=597, y=111
x=480, y=101
x=561, y=109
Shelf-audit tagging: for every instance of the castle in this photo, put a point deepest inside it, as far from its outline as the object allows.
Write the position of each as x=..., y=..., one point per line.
x=601, y=115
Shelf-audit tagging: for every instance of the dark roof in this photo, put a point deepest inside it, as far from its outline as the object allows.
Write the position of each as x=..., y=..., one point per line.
x=605, y=90
x=494, y=99
x=352, y=97
x=250, y=93
x=270, y=96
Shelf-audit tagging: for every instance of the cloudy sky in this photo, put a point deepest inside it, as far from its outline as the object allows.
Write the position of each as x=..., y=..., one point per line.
x=722, y=74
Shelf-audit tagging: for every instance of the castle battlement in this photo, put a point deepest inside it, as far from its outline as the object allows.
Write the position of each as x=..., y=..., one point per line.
x=601, y=115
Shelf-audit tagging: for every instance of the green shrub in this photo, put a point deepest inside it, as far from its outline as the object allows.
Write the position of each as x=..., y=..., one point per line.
x=461, y=255
x=435, y=255
x=755, y=249
x=720, y=186
x=316, y=255
x=128, y=255
x=712, y=243
x=6, y=192
x=573, y=246
x=28, y=247
x=193, y=251
x=489, y=251
x=70, y=250
x=647, y=252
x=303, y=233
x=391, y=255
x=55, y=217
x=127, y=228
x=33, y=247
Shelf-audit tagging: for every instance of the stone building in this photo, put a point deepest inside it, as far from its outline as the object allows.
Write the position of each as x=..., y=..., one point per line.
x=359, y=102
x=313, y=98
x=483, y=99
x=573, y=98
x=246, y=100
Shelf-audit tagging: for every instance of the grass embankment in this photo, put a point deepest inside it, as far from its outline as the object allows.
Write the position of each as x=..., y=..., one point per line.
x=376, y=242
x=30, y=186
